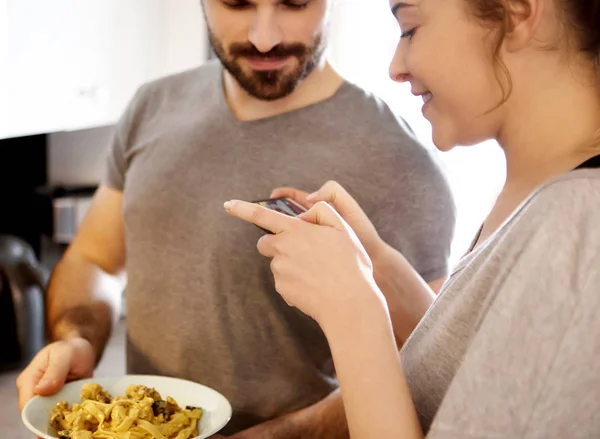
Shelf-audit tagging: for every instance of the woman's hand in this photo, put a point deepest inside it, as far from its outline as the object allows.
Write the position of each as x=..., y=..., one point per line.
x=346, y=206
x=318, y=263
x=321, y=267
x=407, y=295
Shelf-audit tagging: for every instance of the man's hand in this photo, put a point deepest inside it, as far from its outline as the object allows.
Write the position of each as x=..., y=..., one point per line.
x=55, y=365
x=274, y=429
x=324, y=420
x=280, y=428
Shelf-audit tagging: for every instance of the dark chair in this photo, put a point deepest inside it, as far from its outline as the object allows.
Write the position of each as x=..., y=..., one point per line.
x=27, y=280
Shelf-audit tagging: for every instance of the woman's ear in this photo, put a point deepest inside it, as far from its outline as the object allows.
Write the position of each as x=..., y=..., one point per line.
x=523, y=22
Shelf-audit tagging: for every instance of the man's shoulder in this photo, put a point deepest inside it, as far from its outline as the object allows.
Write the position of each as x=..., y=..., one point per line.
x=208, y=72
x=368, y=106
x=191, y=82
x=383, y=132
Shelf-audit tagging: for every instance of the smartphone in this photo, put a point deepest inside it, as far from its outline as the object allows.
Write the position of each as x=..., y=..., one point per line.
x=286, y=206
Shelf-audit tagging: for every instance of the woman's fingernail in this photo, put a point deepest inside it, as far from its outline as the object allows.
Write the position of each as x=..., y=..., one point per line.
x=228, y=205
x=312, y=196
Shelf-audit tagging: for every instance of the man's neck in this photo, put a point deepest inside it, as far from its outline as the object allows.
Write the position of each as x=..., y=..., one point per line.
x=320, y=85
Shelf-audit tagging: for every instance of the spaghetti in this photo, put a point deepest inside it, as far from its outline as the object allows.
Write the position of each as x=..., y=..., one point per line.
x=140, y=414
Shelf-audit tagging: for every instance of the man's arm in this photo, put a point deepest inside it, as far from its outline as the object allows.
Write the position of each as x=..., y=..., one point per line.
x=436, y=285
x=323, y=420
x=408, y=296
x=85, y=289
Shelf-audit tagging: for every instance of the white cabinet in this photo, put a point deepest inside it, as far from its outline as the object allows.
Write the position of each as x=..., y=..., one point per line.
x=71, y=64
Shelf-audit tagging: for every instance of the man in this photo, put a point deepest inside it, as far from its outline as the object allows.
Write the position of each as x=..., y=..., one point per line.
x=201, y=303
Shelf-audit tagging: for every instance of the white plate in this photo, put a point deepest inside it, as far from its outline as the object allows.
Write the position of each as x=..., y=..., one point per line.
x=217, y=410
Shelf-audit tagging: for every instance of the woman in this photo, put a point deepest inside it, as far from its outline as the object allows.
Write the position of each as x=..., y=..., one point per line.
x=510, y=348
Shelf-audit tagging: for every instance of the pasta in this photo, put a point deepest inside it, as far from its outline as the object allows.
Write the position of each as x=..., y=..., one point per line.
x=140, y=414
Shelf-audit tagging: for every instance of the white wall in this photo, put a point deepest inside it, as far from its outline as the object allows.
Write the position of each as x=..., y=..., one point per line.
x=135, y=48
x=75, y=63
x=71, y=64
x=184, y=35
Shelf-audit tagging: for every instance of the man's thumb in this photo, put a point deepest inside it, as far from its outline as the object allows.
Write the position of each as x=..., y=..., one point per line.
x=56, y=372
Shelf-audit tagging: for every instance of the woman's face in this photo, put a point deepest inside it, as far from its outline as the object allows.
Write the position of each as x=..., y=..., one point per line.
x=446, y=55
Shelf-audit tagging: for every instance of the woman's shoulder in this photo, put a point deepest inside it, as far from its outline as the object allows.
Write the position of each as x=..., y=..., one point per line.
x=562, y=214
x=562, y=200
x=580, y=184
x=557, y=229
x=550, y=213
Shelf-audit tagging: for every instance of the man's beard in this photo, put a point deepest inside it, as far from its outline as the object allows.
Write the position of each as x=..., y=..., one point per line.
x=269, y=85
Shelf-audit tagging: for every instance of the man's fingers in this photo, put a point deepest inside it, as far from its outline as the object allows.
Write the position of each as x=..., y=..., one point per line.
x=55, y=376
x=295, y=194
x=323, y=214
x=253, y=213
x=26, y=383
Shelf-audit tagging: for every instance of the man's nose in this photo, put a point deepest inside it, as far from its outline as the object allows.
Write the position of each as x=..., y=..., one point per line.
x=265, y=32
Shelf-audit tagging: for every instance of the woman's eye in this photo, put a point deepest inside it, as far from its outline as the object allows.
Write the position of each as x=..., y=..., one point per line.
x=297, y=5
x=409, y=34
x=240, y=4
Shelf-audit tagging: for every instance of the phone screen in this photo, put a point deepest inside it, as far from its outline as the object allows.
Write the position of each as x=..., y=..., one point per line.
x=286, y=206
x=282, y=205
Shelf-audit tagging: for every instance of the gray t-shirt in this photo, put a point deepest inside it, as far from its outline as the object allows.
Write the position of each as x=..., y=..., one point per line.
x=201, y=303
x=511, y=348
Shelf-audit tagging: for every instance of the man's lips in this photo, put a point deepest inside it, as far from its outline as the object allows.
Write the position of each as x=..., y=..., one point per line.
x=266, y=63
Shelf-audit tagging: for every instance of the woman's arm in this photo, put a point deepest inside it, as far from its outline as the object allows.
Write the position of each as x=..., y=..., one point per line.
x=407, y=294
x=377, y=400
x=321, y=267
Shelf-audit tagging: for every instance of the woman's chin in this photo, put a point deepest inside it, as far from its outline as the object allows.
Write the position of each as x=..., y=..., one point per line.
x=447, y=140
x=443, y=142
